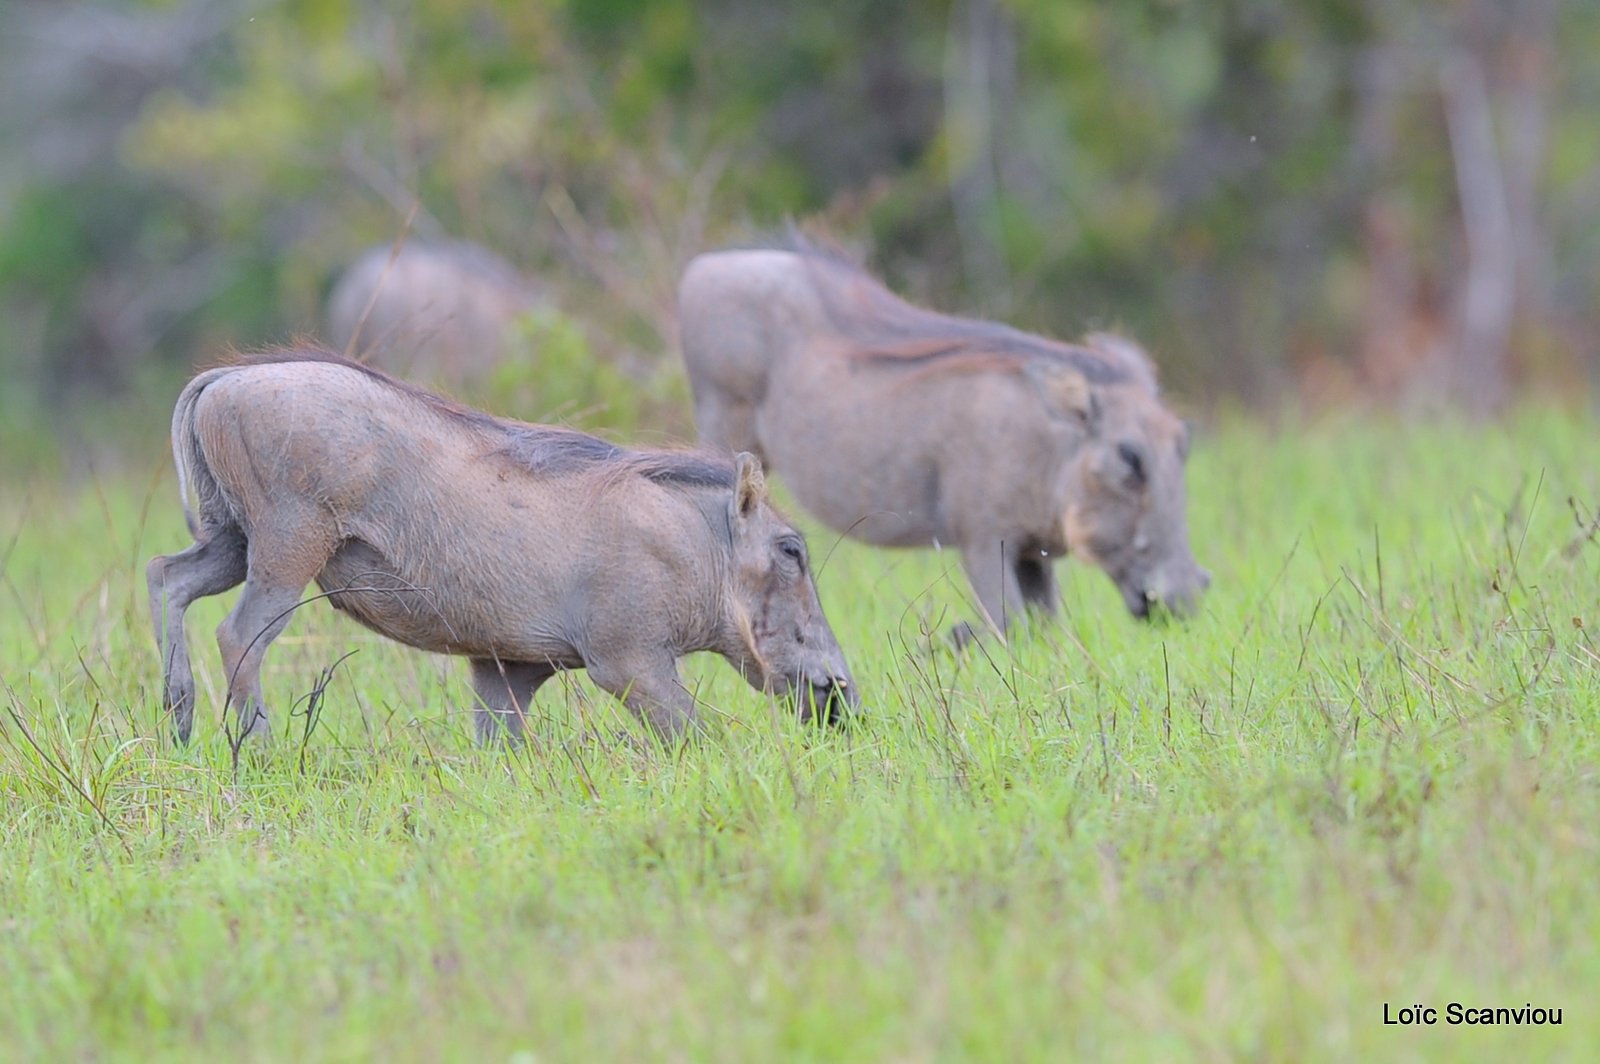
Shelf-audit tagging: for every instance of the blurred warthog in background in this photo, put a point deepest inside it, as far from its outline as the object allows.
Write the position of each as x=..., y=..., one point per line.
x=431, y=310
x=904, y=427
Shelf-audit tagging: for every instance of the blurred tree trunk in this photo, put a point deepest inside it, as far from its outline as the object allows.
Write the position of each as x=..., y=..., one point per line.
x=1501, y=71
x=979, y=49
x=1487, y=295
x=1525, y=73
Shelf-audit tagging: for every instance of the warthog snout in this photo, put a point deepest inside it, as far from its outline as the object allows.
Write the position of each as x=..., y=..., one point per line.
x=831, y=701
x=785, y=645
x=1125, y=509
x=1164, y=594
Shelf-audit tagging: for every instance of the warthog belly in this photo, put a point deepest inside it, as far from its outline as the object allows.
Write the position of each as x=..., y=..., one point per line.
x=363, y=583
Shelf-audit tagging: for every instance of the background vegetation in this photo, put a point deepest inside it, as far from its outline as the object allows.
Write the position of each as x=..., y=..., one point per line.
x=1334, y=198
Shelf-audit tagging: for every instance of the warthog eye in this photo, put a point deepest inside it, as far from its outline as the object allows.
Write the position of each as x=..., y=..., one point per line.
x=1132, y=456
x=792, y=548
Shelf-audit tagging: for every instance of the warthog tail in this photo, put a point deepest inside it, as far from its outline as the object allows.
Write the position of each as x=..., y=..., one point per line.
x=193, y=472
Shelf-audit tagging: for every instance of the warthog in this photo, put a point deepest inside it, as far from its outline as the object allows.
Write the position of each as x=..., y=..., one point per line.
x=525, y=548
x=439, y=310
x=905, y=427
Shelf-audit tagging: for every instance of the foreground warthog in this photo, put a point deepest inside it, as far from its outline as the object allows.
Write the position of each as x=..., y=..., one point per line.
x=527, y=549
x=904, y=427
x=439, y=310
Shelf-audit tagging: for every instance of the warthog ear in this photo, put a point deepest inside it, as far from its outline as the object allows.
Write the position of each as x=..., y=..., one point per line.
x=1128, y=355
x=750, y=486
x=1067, y=392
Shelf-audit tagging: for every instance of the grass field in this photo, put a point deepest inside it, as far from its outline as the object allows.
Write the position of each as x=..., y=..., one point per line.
x=1368, y=773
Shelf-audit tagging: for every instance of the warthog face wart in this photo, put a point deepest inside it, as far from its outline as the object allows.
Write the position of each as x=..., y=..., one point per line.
x=792, y=650
x=1126, y=508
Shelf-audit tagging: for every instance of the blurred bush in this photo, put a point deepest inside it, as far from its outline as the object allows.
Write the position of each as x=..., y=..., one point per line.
x=551, y=374
x=1330, y=198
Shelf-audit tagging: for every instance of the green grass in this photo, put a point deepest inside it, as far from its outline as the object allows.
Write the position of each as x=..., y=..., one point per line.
x=1368, y=772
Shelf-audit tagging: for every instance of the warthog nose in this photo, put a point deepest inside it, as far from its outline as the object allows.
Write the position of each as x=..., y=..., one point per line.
x=846, y=691
x=830, y=702
x=1205, y=579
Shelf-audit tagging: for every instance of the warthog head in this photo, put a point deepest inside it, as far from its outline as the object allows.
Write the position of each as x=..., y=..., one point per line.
x=1124, y=500
x=787, y=646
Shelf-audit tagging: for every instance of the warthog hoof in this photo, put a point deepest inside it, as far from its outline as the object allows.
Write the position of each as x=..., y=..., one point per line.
x=177, y=701
x=964, y=635
x=253, y=725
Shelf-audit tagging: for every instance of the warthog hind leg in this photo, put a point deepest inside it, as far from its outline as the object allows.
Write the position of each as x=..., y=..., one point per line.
x=209, y=567
x=259, y=617
x=505, y=691
x=280, y=567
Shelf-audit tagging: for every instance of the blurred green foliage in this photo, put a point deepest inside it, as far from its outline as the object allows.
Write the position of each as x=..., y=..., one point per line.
x=191, y=174
x=551, y=374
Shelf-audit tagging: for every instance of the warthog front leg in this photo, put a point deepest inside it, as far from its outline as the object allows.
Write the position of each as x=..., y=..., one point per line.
x=208, y=568
x=1008, y=582
x=650, y=687
x=725, y=422
x=1036, y=578
x=991, y=566
x=505, y=691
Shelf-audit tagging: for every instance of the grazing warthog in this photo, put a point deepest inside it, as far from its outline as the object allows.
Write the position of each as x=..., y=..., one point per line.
x=905, y=427
x=437, y=310
x=525, y=548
